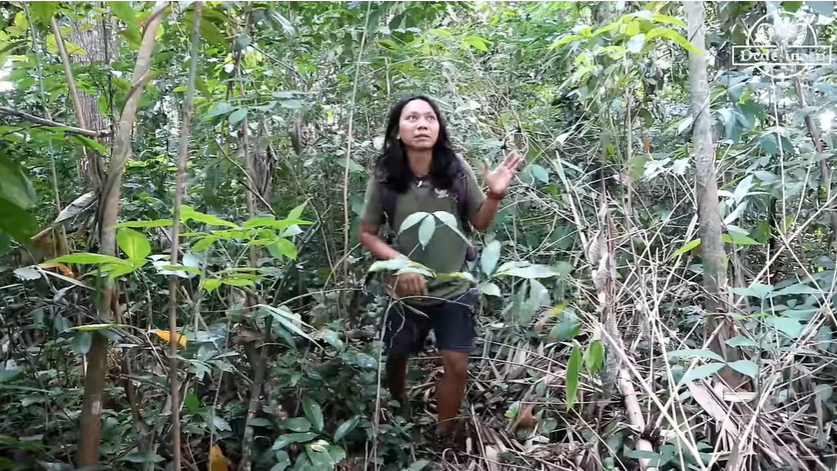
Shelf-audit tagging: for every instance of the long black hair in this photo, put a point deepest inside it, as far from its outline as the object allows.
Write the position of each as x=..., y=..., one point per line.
x=393, y=168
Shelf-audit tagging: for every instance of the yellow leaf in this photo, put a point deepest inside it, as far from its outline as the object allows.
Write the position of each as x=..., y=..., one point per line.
x=166, y=335
x=58, y=266
x=217, y=461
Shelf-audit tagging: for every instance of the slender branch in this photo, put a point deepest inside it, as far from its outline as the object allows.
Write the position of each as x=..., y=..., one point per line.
x=48, y=122
x=183, y=157
x=93, y=159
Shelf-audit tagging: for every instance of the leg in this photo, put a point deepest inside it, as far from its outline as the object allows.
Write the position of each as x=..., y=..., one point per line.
x=404, y=334
x=455, y=330
x=451, y=389
x=396, y=380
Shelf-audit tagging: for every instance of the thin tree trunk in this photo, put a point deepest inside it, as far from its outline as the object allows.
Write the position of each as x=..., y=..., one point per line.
x=91, y=426
x=706, y=188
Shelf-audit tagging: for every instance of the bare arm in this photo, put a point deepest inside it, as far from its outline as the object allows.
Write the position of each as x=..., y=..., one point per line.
x=485, y=215
x=369, y=238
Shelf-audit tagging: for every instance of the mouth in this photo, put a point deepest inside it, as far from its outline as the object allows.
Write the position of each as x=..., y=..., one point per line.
x=422, y=136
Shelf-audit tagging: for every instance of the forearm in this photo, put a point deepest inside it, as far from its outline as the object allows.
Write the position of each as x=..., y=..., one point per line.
x=378, y=247
x=485, y=215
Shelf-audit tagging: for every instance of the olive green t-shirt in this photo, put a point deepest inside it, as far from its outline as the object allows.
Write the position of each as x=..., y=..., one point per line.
x=446, y=251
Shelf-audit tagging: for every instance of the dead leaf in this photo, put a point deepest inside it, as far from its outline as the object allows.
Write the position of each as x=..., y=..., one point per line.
x=217, y=460
x=63, y=269
x=166, y=335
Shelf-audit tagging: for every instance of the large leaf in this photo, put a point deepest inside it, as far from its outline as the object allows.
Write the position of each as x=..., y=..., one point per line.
x=426, y=230
x=701, y=372
x=285, y=440
x=346, y=428
x=283, y=248
x=135, y=245
x=90, y=259
x=524, y=270
x=43, y=11
x=313, y=412
x=15, y=187
x=490, y=256
x=124, y=12
x=573, y=373
x=187, y=214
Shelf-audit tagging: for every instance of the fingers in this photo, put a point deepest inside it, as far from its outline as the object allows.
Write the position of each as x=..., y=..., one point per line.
x=512, y=161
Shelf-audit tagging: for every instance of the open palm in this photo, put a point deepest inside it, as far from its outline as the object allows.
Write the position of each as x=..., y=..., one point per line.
x=498, y=180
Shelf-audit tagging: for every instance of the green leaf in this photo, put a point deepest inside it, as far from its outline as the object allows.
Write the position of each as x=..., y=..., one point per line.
x=595, y=356
x=89, y=143
x=283, y=461
x=689, y=353
x=296, y=213
x=146, y=224
x=477, y=43
x=412, y=220
x=757, y=290
x=346, y=428
x=297, y=424
x=211, y=284
x=573, y=370
x=701, y=372
x=490, y=289
x=313, y=412
x=738, y=239
x=202, y=244
x=524, y=270
x=741, y=341
x=745, y=367
x=674, y=36
x=566, y=329
x=238, y=115
x=283, y=248
x=668, y=20
x=15, y=186
x=490, y=257
x=16, y=222
x=635, y=43
x=689, y=246
x=192, y=403
x=82, y=342
x=540, y=174
x=124, y=12
x=43, y=11
x=287, y=439
x=187, y=214
x=795, y=289
x=83, y=258
x=418, y=465
x=792, y=328
x=135, y=245
x=426, y=230
x=9, y=375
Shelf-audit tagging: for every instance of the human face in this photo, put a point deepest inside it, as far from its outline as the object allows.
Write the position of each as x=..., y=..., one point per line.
x=419, y=125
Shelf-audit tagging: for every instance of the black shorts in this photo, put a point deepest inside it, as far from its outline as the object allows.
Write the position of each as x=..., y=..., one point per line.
x=452, y=322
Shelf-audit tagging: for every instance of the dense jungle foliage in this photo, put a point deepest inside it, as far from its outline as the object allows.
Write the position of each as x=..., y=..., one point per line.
x=182, y=287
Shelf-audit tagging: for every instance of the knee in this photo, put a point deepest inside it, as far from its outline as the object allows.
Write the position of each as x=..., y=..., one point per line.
x=456, y=366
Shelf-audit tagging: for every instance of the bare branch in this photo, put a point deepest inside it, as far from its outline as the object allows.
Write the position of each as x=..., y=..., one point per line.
x=48, y=122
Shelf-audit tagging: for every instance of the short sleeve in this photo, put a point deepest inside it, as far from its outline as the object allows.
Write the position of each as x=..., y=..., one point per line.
x=372, y=212
x=475, y=194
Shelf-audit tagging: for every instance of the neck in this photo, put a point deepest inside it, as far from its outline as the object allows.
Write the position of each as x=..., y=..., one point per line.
x=420, y=161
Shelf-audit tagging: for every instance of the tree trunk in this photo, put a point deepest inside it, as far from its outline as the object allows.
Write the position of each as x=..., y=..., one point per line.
x=90, y=433
x=706, y=187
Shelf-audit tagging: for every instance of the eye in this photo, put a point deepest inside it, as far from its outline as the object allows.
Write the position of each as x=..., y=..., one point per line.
x=431, y=117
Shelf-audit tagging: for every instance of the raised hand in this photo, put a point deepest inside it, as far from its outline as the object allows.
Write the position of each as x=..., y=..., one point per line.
x=499, y=179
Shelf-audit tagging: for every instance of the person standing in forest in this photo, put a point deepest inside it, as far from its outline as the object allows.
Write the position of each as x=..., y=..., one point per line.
x=418, y=171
